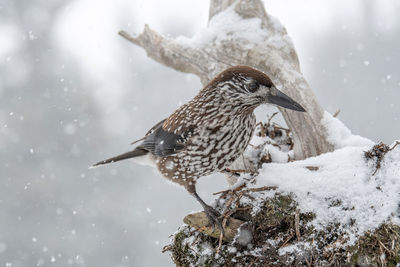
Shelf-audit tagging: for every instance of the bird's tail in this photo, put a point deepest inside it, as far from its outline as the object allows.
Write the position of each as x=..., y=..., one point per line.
x=137, y=152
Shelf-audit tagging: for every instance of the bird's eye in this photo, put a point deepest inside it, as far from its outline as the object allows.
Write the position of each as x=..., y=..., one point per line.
x=253, y=86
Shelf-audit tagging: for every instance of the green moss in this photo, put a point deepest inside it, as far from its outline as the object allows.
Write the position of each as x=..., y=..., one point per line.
x=179, y=250
x=380, y=247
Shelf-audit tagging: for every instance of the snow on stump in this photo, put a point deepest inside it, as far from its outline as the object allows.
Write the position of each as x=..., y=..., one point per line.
x=338, y=209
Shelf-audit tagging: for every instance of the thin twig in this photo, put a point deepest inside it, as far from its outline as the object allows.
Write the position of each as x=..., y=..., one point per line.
x=240, y=171
x=227, y=204
x=230, y=190
x=221, y=236
x=393, y=147
x=270, y=118
x=380, y=243
x=198, y=230
x=226, y=215
x=277, y=126
x=308, y=262
x=312, y=168
x=297, y=224
x=251, y=263
x=287, y=240
x=264, y=188
x=166, y=248
x=336, y=113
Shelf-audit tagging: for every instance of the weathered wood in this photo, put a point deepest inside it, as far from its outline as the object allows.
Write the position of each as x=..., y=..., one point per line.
x=200, y=221
x=273, y=53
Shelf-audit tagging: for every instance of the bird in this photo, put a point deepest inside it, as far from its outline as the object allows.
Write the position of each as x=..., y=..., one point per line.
x=208, y=133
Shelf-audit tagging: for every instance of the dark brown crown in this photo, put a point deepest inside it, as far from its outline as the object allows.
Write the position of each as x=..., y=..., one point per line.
x=246, y=71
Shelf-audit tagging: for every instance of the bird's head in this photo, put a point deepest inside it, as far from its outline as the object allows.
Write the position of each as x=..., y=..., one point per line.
x=251, y=87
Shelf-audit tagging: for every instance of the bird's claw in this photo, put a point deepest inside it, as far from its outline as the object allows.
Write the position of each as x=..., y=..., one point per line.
x=214, y=218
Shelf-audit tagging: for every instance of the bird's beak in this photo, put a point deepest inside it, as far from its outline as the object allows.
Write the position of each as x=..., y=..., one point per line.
x=278, y=98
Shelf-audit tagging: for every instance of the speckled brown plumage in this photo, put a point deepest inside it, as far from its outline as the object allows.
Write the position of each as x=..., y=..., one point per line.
x=211, y=131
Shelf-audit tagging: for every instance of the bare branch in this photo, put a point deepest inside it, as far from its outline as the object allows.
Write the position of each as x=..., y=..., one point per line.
x=166, y=51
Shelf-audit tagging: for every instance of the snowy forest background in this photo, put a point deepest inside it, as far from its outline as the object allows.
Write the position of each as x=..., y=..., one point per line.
x=73, y=92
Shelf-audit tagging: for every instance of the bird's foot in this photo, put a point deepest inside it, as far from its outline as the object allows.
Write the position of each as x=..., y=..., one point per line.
x=214, y=218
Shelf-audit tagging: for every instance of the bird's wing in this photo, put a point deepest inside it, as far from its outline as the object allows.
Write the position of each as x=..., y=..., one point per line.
x=164, y=143
x=156, y=141
x=149, y=132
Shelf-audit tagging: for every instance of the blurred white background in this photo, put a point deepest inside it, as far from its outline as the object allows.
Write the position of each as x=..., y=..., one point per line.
x=72, y=92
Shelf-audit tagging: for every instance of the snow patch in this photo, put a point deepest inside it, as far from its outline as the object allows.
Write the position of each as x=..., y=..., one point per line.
x=340, y=188
x=244, y=235
x=227, y=25
x=297, y=248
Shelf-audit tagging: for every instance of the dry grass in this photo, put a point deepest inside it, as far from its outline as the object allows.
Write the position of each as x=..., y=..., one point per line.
x=377, y=153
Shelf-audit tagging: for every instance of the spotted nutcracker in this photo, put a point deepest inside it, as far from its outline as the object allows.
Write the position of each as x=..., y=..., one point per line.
x=210, y=132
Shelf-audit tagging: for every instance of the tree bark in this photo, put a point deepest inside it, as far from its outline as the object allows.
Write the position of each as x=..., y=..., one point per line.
x=271, y=51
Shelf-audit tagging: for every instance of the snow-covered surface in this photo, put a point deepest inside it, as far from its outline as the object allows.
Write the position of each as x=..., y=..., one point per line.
x=343, y=189
x=229, y=25
x=276, y=148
